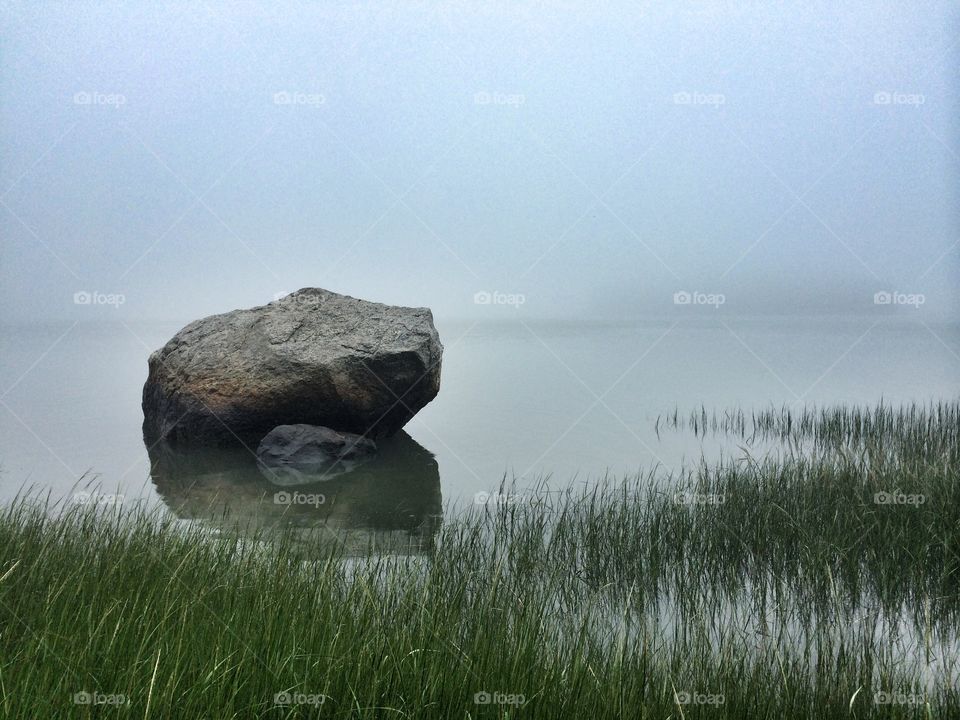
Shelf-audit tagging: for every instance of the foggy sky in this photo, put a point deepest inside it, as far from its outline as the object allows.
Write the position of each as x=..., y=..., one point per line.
x=194, y=158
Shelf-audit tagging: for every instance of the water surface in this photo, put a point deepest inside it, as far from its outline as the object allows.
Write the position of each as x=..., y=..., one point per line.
x=525, y=399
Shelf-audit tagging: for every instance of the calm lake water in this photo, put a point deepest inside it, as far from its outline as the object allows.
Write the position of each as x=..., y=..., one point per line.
x=518, y=398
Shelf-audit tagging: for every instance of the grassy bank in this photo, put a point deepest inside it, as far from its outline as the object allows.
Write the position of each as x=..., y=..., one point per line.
x=822, y=586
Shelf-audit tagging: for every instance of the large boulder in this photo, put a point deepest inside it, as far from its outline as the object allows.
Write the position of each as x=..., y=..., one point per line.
x=312, y=357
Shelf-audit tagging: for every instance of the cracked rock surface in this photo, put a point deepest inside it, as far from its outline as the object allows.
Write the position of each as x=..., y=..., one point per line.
x=312, y=357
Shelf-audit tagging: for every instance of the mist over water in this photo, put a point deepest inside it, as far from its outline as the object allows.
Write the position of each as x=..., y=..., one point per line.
x=797, y=159
x=525, y=400
x=614, y=214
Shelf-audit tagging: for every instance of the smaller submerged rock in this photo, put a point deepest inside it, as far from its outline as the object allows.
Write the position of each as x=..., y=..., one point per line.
x=301, y=454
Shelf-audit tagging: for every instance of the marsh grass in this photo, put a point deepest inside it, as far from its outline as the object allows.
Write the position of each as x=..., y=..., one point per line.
x=752, y=589
x=911, y=429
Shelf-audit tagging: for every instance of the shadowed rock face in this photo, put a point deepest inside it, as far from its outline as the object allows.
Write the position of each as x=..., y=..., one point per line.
x=297, y=454
x=390, y=504
x=313, y=357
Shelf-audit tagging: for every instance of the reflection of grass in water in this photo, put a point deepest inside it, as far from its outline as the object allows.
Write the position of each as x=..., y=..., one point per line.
x=783, y=588
x=913, y=428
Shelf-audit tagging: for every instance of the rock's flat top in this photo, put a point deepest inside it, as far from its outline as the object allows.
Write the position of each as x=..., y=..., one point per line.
x=313, y=357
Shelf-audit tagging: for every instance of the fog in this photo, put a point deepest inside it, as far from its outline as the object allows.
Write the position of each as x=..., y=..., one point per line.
x=561, y=160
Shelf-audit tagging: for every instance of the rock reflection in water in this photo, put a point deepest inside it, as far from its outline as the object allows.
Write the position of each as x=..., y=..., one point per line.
x=390, y=504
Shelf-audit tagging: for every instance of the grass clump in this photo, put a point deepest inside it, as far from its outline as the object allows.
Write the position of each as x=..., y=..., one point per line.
x=785, y=588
